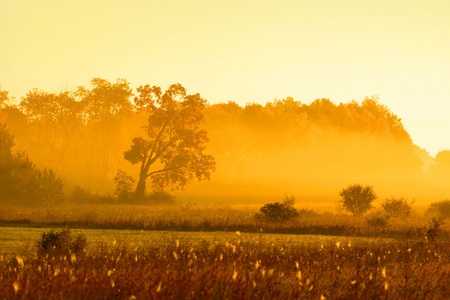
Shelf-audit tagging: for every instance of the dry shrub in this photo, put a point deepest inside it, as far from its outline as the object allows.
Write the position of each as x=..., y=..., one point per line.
x=278, y=212
x=397, y=207
x=55, y=243
x=377, y=220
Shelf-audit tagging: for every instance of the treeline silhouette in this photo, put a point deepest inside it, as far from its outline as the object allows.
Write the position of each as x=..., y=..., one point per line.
x=262, y=151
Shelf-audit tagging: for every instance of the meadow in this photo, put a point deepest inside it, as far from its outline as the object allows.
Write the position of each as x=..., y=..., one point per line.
x=219, y=252
x=223, y=218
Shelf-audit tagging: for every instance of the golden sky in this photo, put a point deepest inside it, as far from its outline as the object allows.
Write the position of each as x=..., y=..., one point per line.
x=245, y=51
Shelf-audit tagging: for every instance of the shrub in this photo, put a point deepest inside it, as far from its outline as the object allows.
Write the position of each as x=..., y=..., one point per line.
x=357, y=199
x=278, y=212
x=124, y=186
x=61, y=243
x=397, y=207
x=440, y=209
x=377, y=220
x=434, y=228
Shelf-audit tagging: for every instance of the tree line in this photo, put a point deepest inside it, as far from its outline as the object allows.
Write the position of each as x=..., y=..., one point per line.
x=86, y=135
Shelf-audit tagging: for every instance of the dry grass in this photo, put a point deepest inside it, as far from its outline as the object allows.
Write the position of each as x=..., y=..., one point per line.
x=236, y=269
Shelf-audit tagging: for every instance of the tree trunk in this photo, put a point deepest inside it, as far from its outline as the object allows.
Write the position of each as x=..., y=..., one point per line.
x=140, y=189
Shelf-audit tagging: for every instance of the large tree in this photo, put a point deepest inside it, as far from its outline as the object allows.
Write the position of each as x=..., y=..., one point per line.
x=171, y=154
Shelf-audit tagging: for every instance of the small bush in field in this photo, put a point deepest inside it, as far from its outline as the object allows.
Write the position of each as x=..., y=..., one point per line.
x=434, y=228
x=440, y=209
x=357, y=199
x=397, y=207
x=61, y=243
x=124, y=186
x=278, y=212
x=377, y=220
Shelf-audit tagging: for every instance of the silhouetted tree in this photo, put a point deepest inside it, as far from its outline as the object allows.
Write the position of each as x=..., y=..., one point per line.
x=357, y=199
x=172, y=152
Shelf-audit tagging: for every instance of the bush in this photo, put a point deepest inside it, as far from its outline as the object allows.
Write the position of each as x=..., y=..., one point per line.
x=397, y=207
x=440, y=209
x=434, y=228
x=357, y=199
x=54, y=243
x=278, y=212
x=377, y=220
x=124, y=186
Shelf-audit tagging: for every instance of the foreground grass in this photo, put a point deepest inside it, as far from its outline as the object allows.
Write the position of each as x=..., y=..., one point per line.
x=239, y=268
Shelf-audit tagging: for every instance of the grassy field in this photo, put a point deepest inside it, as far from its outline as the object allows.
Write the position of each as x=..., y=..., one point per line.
x=204, y=218
x=219, y=253
x=22, y=240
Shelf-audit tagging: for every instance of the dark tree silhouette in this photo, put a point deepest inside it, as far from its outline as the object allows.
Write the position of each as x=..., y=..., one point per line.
x=357, y=199
x=172, y=152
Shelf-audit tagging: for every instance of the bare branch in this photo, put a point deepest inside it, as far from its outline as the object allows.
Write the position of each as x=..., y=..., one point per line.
x=163, y=170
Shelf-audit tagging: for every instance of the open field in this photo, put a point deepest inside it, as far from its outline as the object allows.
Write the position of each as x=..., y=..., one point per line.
x=22, y=240
x=205, y=218
x=135, y=252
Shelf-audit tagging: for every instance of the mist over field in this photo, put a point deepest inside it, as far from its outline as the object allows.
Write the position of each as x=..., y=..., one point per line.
x=261, y=151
